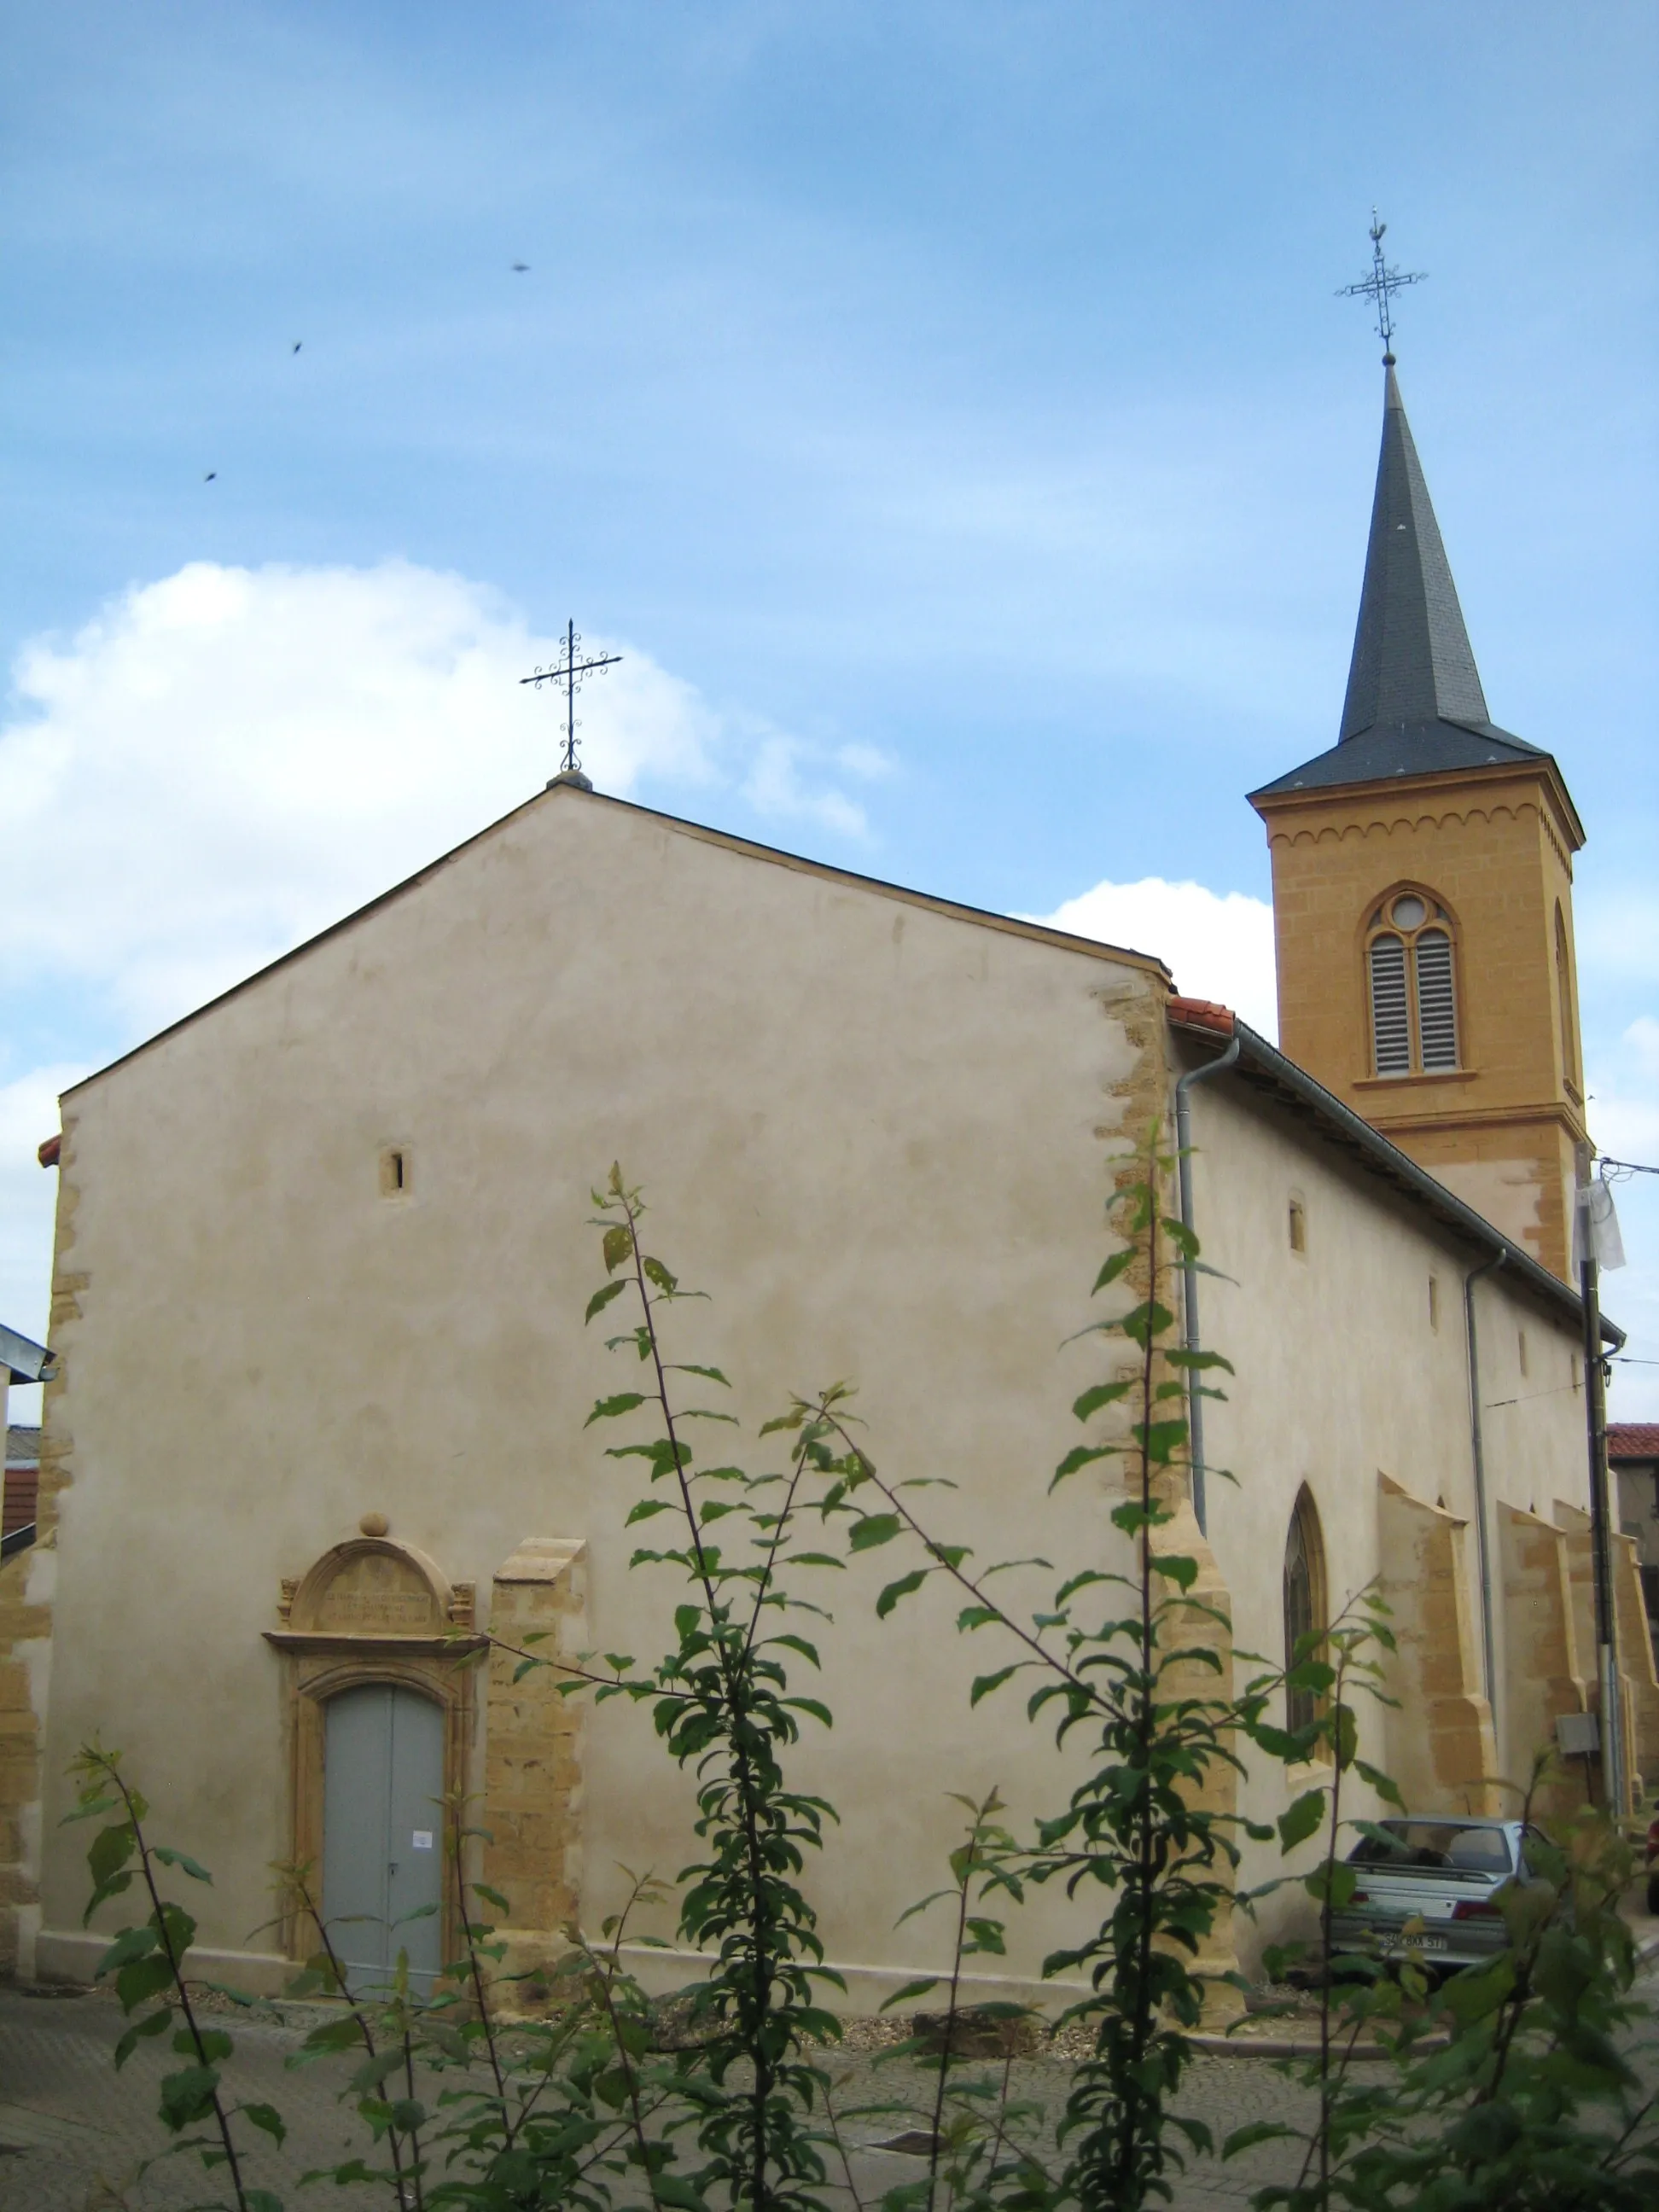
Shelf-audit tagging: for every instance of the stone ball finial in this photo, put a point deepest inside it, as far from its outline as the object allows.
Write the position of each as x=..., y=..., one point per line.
x=374, y=1524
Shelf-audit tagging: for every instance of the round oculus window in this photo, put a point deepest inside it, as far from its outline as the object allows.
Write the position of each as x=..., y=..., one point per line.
x=1409, y=911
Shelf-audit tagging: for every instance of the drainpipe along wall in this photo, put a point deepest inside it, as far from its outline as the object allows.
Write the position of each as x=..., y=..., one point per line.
x=1189, y=1269
x=1477, y=1452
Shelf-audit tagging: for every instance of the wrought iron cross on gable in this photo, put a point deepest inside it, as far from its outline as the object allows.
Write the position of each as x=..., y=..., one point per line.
x=1380, y=287
x=570, y=670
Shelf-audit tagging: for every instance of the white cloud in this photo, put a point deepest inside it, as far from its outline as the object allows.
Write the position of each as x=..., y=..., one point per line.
x=225, y=762
x=1216, y=945
x=786, y=779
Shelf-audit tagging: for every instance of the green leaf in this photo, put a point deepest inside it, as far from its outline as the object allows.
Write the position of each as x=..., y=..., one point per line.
x=208, y=2045
x=1384, y=1784
x=984, y=1684
x=1102, y=1394
x=155, y=2023
x=260, y=2200
x=491, y=1896
x=812, y=1705
x=1180, y=1571
x=1258, y=2131
x=1303, y=1817
x=902, y=1588
x=1080, y=1455
x=1118, y=1264
x=713, y=1374
x=140, y=1979
x=617, y=1248
x=601, y=1299
x=910, y=1990
x=656, y=1272
x=186, y=1864
x=111, y=1848
x=188, y=2095
x=131, y=1943
x=606, y=1409
x=875, y=1529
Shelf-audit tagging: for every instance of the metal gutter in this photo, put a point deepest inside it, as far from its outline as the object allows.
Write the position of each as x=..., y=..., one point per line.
x=1264, y=1067
x=25, y=1361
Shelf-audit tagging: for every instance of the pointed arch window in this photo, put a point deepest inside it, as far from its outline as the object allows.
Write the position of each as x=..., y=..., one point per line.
x=1304, y=1599
x=1411, y=969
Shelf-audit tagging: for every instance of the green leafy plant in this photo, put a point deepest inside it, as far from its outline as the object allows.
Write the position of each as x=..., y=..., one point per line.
x=147, y=1962
x=724, y=1708
x=1121, y=1684
x=1536, y=2103
x=1334, y=1668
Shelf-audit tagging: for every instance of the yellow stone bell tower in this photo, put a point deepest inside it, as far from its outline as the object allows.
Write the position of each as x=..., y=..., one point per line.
x=1423, y=897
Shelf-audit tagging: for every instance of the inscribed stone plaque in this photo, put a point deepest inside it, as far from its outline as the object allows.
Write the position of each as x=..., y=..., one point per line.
x=377, y=1594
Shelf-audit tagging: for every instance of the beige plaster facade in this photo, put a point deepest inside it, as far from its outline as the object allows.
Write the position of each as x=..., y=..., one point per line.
x=320, y=1419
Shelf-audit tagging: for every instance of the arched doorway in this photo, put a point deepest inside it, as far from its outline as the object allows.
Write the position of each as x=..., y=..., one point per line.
x=383, y=1780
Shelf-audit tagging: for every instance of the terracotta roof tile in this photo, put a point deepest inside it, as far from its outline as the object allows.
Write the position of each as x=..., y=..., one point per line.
x=1632, y=1440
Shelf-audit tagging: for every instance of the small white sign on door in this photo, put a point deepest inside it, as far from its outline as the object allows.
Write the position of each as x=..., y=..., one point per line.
x=423, y=1839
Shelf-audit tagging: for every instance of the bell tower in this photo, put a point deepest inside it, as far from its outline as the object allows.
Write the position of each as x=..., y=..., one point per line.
x=1423, y=895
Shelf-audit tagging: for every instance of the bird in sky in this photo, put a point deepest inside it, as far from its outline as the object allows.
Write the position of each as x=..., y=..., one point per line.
x=298, y=342
x=210, y=475
x=520, y=268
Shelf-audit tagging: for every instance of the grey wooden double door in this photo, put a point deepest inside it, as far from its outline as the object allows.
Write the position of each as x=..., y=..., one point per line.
x=383, y=1832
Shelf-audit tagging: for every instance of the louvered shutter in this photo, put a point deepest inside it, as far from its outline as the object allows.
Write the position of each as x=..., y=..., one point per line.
x=1390, y=1029
x=1436, y=1009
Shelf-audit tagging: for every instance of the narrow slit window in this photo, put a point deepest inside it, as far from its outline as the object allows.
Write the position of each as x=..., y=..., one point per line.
x=1434, y=1304
x=394, y=1171
x=1436, y=1011
x=1304, y=1603
x=1390, y=1027
x=1564, y=992
x=1299, y=1226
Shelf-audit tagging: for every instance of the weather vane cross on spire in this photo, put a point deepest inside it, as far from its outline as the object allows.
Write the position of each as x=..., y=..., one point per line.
x=568, y=669
x=1380, y=287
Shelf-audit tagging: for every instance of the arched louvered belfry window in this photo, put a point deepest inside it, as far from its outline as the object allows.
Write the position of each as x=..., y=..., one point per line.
x=1564, y=993
x=1411, y=968
x=1304, y=1599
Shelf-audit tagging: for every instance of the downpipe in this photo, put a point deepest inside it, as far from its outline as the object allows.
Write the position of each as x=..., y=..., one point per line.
x=1189, y=1268
x=1476, y=1451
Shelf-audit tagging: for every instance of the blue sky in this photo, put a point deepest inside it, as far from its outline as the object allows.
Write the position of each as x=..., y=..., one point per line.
x=945, y=406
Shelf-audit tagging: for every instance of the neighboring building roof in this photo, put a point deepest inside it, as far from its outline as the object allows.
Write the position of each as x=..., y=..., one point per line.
x=23, y=1446
x=28, y=1362
x=1037, y=932
x=1414, y=704
x=1267, y=1069
x=1632, y=1440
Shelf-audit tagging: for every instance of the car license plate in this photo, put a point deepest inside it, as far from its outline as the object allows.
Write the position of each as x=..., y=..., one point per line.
x=1422, y=1942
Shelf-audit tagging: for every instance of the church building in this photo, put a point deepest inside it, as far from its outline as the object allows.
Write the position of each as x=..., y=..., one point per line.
x=324, y=1251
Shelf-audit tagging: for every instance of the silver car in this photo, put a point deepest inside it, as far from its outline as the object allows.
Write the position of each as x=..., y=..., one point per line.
x=1426, y=1892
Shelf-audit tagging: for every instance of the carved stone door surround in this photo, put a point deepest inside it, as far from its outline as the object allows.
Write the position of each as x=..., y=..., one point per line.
x=371, y=1609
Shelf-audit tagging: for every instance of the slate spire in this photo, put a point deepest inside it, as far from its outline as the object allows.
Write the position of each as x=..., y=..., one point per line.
x=1412, y=657
x=1414, y=705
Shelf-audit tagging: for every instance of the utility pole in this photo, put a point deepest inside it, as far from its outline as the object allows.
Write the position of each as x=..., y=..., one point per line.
x=1615, y=1788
